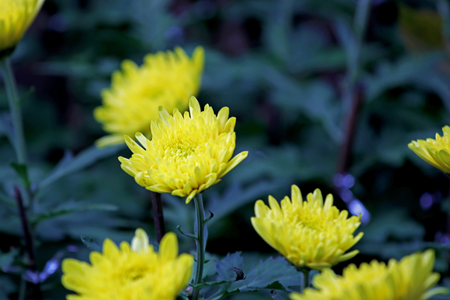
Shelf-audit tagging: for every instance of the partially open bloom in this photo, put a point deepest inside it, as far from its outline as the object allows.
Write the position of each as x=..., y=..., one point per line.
x=310, y=234
x=15, y=18
x=166, y=79
x=130, y=273
x=435, y=152
x=187, y=154
x=409, y=279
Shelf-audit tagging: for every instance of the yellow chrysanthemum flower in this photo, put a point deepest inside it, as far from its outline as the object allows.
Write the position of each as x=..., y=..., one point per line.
x=15, y=18
x=187, y=154
x=130, y=273
x=310, y=234
x=166, y=79
x=409, y=279
x=435, y=152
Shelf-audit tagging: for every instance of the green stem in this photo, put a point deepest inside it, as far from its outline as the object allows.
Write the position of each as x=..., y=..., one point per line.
x=305, y=276
x=200, y=242
x=360, y=26
x=22, y=289
x=14, y=106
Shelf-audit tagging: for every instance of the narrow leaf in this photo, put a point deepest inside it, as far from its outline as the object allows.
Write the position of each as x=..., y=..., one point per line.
x=22, y=171
x=69, y=164
x=275, y=295
x=209, y=283
x=70, y=208
x=6, y=259
x=91, y=243
x=7, y=200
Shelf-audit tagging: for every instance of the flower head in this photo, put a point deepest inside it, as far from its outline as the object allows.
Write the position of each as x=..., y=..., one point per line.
x=435, y=152
x=15, y=18
x=166, y=79
x=187, y=154
x=409, y=279
x=308, y=233
x=130, y=273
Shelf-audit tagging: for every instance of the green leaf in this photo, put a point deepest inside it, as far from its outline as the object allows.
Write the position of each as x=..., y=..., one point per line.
x=7, y=200
x=209, y=283
x=71, y=207
x=274, y=273
x=70, y=164
x=7, y=286
x=277, y=34
x=91, y=243
x=406, y=71
x=348, y=41
x=275, y=295
x=221, y=292
x=6, y=126
x=223, y=266
x=22, y=171
x=6, y=259
x=236, y=197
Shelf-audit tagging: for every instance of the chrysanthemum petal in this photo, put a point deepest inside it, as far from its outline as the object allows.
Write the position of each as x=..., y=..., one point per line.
x=140, y=241
x=404, y=280
x=131, y=274
x=435, y=152
x=186, y=155
x=109, y=140
x=15, y=18
x=234, y=162
x=168, y=248
x=309, y=234
x=132, y=101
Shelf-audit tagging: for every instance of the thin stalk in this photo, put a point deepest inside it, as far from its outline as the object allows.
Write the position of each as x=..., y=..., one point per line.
x=37, y=294
x=354, y=90
x=350, y=129
x=14, y=106
x=158, y=216
x=199, y=242
x=22, y=289
x=305, y=272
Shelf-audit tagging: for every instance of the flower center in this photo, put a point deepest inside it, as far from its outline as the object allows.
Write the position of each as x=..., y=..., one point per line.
x=134, y=274
x=312, y=224
x=306, y=219
x=180, y=148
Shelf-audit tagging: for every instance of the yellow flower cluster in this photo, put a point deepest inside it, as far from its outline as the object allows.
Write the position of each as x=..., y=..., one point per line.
x=15, y=18
x=435, y=152
x=166, y=79
x=130, y=273
x=409, y=279
x=187, y=154
x=310, y=234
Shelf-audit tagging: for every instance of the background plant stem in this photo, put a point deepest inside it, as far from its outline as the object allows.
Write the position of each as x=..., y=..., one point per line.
x=354, y=90
x=199, y=242
x=158, y=216
x=350, y=129
x=37, y=294
x=14, y=106
x=305, y=276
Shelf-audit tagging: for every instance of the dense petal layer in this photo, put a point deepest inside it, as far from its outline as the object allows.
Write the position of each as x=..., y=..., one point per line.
x=132, y=102
x=409, y=279
x=130, y=273
x=309, y=234
x=15, y=18
x=187, y=154
x=435, y=152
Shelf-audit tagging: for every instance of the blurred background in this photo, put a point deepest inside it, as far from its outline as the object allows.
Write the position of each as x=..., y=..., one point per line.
x=317, y=89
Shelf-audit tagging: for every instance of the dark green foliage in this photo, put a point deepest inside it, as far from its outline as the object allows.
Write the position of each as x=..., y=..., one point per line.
x=284, y=69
